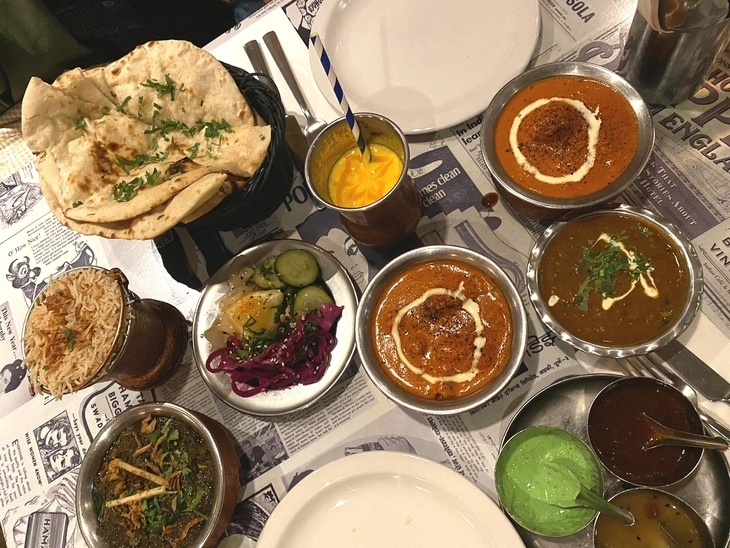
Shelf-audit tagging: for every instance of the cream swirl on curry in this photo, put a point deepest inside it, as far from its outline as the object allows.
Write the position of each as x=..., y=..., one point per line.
x=441, y=329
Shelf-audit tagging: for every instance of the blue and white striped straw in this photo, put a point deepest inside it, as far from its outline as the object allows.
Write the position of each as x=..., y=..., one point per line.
x=344, y=105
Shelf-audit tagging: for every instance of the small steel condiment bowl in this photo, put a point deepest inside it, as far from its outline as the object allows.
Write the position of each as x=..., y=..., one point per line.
x=386, y=221
x=365, y=312
x=692, y=267
x=562, y=521
x=544, y=206
x=221, y=451
x=702, y=529
x=626, y=434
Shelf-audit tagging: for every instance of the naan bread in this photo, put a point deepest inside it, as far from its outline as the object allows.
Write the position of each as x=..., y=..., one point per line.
x=130, y=149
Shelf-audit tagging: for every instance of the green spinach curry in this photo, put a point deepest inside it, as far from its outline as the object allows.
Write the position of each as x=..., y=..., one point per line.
x=613, y=279
x=155, y=486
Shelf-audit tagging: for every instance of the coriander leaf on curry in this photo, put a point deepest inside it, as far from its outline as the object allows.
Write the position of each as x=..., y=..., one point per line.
x=154, y=486
x=613, y=279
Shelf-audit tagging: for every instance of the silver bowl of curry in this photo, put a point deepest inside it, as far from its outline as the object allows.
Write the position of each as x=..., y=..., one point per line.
x=157, y=475
x=615, y=281
x=565, y=136
x=441, y=329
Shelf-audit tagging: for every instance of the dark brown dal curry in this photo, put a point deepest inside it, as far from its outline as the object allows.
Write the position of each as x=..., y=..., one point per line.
x=155, y=486
x=580, y=274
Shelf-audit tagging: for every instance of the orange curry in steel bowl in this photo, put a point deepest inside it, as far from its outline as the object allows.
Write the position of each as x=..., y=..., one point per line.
x=565, y=136
x=441, y=329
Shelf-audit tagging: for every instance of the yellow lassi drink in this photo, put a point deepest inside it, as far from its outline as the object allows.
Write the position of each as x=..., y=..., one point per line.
x=355, y=183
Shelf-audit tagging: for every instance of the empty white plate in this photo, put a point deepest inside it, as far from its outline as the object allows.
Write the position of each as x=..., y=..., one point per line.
x=387, y=499
x=425, y=64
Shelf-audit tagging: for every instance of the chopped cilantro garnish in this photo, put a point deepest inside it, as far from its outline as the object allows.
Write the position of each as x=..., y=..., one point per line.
x=193, y=151
x=160, y=216
x=105, y=110
x=212, y=128
x=165, y=127
x=70, y=338
x=604, y=267
x=201, y=102
x=645, y=231
x=121, y=107
x=127, y=190
x=169, y=87
x=77, y=204
x=158, y=107
x=112, y=94
x=139, y=160
x=80, y=124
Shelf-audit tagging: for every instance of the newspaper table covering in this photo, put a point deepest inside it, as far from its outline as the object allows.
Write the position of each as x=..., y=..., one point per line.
x=42, y=441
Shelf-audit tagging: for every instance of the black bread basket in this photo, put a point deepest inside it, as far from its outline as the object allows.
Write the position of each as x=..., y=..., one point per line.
x=267, y=187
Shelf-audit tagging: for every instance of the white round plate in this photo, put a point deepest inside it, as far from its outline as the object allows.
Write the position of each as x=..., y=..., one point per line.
x=387, y=499
x=277, y=402
x=425, y=64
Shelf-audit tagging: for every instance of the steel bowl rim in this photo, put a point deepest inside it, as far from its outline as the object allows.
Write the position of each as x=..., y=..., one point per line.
x=693, y=514
x=624, y=380
x=423, y=254
x=596, y=460
x=123, y=328
x=346, y=339
x=321, y=137
x=109, y=433
x=591, y=71
x=681, y=242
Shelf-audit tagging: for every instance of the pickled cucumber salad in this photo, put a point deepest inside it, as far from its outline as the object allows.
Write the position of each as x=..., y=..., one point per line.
x=275, y=327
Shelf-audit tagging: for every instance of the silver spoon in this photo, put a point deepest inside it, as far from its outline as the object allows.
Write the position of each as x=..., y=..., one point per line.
x=314, y=125
x=577, y=494
x=664, y=435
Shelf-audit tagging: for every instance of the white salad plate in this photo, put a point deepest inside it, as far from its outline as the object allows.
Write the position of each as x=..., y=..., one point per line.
x=287, y=400
x=425, y=64
x=386, y=499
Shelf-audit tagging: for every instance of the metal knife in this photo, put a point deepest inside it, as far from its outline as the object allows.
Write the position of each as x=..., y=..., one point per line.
x=695, y=372
x=294, y=136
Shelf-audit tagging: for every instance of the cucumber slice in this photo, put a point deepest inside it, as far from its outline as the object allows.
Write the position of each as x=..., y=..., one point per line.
x=310, y=298
x=265, y=275
x=297, y=267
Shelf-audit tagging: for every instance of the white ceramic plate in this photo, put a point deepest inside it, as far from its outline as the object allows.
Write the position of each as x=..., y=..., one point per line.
x=425, y=64
x=277, y=402
x=386, y=499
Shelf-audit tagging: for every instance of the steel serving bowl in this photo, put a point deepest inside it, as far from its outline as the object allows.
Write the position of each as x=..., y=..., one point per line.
x=222, y=454
x=365, y=313
x=597, y=435
x=702, y=529
x=297, y=397
x=543, y=206
x=691, y=265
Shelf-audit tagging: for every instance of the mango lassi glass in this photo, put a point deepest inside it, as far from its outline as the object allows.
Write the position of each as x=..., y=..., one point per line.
x=378, y=202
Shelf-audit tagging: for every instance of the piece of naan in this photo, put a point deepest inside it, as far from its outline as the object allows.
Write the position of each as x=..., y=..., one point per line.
x=131, y=149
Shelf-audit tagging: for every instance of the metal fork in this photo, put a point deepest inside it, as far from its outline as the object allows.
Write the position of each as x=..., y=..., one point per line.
x=644, y=366
x=314, y=125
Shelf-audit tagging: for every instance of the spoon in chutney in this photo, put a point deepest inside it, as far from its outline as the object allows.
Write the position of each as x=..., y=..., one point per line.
x=573, y=493
x=662, y=435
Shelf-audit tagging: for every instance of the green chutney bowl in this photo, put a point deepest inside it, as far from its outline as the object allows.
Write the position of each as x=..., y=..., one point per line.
x=535, y=498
